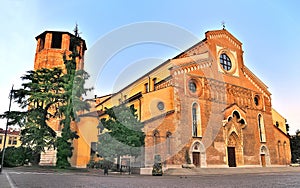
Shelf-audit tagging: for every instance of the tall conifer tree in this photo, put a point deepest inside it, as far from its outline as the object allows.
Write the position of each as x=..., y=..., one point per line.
x=74, y=81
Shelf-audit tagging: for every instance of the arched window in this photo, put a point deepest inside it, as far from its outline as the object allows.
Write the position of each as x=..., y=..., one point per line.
x=155, y=140
x=168, y=142
x=261, y=128
x=278, y=148
x=196, y=124
x=236, y=114
x=284, y=152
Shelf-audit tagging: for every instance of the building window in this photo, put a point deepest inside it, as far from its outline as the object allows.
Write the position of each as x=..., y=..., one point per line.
x=0, y=139
x=155, y=140
x=284, y=153
x=72, y=44
x=56, y=40
x=168, y=142
x=256, y=100
x=225, y=62
x=160, y=106
x=15, y=141
x=154, y=80
x=278, y=148
x=192, y=86
x=146, y=87
x=195, y=120
x=261, y=128
x=277, y=124
x=42, y=42
x=10, y=140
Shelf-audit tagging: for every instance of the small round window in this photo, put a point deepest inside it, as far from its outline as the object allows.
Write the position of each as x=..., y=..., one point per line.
x=256, y=100
x=225, y=62
x=192, y=86
x=160, y=105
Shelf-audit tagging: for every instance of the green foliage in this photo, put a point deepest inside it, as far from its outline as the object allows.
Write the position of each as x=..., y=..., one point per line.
x=123, y=133
x=157, y=167
x=187, y=157
x=64, y=150
x=295, y=147
x=19, y=156
x=39, y=97
x=100, y=164
x=73, y=84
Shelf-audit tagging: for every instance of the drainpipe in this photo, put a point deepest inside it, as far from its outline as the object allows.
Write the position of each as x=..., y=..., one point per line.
x=140, y=109
x=149, y=88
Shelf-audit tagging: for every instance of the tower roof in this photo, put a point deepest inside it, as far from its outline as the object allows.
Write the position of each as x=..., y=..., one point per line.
x=62, y=32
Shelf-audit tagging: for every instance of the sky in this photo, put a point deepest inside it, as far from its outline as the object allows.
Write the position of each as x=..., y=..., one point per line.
x=269, y=31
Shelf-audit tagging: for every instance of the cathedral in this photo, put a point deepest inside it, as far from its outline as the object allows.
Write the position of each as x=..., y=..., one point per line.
x=203, y=106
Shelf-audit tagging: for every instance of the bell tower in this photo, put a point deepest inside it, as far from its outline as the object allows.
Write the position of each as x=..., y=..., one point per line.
x=52, y=45
x=50, y=50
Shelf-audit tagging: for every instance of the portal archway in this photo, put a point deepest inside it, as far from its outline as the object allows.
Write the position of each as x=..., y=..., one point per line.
x=234, y=151
x=197, y=154
x=264, y=156
x=233, y=124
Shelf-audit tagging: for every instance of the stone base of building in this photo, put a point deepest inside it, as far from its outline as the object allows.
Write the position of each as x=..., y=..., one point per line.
x=48, y=158
x=146, y=171
x=79, y=166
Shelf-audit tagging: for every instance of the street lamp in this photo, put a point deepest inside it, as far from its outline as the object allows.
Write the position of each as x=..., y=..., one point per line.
x=5, y=134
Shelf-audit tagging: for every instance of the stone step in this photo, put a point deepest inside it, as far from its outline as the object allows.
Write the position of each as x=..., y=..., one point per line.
x=228, y=171
x=48, y=158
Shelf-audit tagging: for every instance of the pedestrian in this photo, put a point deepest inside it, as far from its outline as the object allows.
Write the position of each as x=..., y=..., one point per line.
x=105, y=170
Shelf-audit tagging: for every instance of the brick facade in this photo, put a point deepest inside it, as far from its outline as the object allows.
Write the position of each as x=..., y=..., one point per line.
x=221, y=116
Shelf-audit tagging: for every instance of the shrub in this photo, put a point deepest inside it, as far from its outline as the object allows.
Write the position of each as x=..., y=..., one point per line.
x=14, y=157
x=157, y=167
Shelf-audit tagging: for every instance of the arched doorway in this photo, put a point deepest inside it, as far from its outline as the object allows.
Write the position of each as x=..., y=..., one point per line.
x=233, y=131
x=198, y=156
x=231, y=146
x=264, y=156
x=235, y=155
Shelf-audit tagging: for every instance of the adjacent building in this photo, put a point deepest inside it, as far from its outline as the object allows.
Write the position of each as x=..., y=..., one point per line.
x=12, y=138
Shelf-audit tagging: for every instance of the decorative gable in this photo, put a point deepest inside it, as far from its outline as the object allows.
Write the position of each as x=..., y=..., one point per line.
x=235, y=110
x=224, y=34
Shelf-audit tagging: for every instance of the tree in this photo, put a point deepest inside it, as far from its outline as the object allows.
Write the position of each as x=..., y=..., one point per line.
x=123, y=133
x=47, y=94
x=40, y=93
x=295, y=147
x=73, y=85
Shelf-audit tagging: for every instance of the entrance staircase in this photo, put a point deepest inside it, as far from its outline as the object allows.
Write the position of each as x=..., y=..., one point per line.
x=227, y=171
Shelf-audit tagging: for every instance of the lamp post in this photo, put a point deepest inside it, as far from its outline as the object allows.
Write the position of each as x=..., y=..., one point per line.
x=5, y=134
